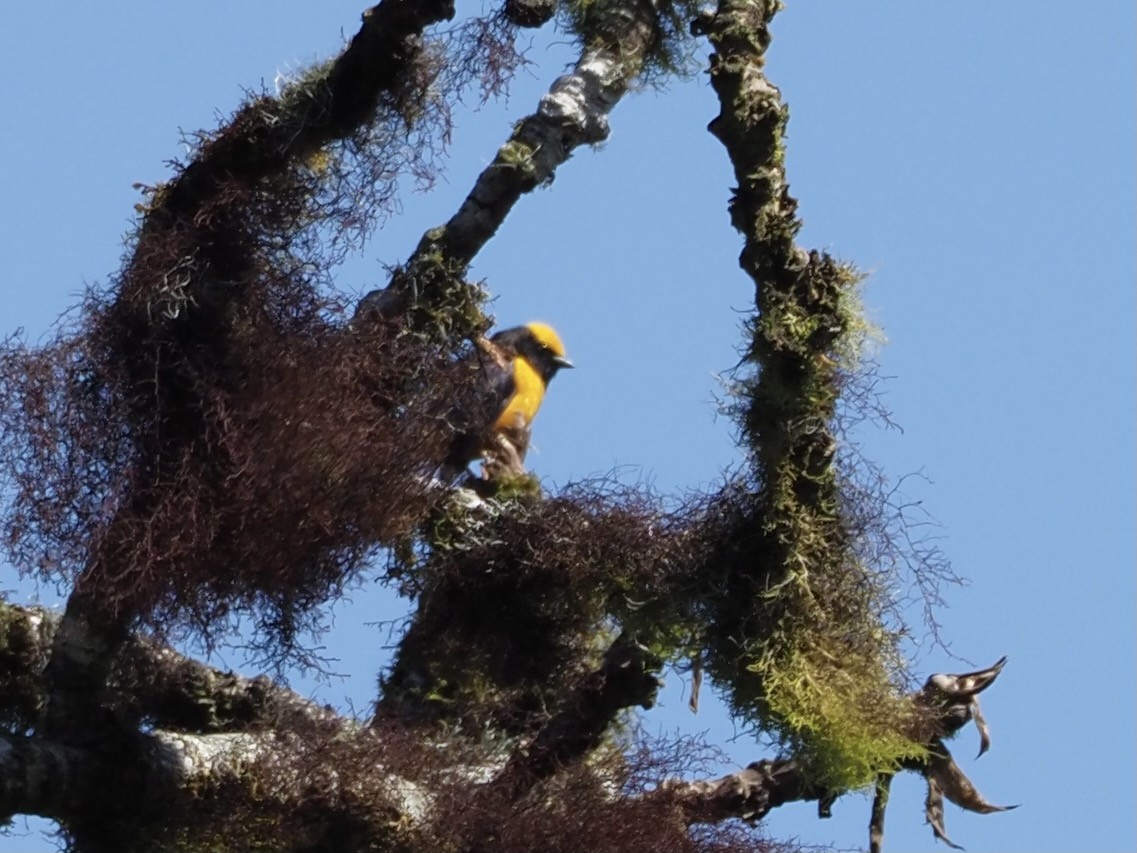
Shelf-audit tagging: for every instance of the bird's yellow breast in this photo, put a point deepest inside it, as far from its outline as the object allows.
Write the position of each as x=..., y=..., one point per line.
x=527, y=396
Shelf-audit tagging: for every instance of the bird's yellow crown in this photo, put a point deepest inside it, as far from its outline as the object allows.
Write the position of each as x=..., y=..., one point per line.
x=547, y=337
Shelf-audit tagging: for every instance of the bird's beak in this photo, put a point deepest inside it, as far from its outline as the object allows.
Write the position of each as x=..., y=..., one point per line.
x=560, y=361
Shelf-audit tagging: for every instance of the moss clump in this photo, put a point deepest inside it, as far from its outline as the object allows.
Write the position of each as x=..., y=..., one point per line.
x=516, y=154
x=795, y=632
x=20, y=683
x=841, y=718
x=518, y=598
x=671, y=54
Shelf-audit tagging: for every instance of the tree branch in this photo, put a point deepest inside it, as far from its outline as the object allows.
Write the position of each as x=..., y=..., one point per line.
x=574, y=112
x=153, y=681
x=264, y=138
x=751, y=793
x=167, y=778
x=310, y=749
x=748, y=794
x=44, y=778
x=179, y=693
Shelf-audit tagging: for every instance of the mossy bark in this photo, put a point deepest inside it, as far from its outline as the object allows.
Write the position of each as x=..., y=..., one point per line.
x=616, y=37
x=794, y=634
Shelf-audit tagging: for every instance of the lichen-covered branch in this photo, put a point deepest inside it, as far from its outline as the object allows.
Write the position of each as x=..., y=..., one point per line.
x=574, y=112
x=176, y=692
x=616, y=38
x=513, y=602
x=333, y=103
x=265, y=755
x=748, y=794
x=156, y=683
x=795, y=631
x=174, y=790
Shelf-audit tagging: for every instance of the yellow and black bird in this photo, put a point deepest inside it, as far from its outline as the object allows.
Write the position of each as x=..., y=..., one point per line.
x=514, y=367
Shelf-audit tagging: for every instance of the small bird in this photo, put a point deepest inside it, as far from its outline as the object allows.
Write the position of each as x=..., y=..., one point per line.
x=515, y=367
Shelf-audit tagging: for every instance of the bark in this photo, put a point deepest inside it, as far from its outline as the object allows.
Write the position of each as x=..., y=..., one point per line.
x=748, y=794
x=573, y=113
x=876, y=821
x=168, y=778
x=39, y=777
x=156, y=683
x=788, y=421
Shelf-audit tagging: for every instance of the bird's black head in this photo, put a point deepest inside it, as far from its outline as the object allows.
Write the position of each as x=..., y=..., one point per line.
x=538, y=344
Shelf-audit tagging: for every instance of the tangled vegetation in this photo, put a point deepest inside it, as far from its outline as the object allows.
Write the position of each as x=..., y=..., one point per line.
x=212, y=436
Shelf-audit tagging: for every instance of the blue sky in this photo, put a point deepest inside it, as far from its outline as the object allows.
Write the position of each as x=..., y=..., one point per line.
x=977, y=159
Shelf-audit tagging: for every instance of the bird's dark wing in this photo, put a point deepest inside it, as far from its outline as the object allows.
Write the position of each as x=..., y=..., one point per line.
x=486, y=390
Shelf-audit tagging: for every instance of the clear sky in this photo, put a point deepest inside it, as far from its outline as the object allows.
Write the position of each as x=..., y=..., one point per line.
x=978, y=159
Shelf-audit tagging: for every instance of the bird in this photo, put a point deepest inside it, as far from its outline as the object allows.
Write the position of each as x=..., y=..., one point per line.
x=513, y=370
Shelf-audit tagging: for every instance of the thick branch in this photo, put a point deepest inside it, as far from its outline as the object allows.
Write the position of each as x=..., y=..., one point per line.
x=323, y=770
x=262, y=140
x=167, y=689
x=177, y=692
x=166, y=778
x=42, y=778
x=802, y=597
x=384, y=49
x=573, y=113
x=791, y=406
x=748, y=794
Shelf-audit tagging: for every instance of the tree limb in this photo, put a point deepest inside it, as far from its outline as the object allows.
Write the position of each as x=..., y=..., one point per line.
x=168, y=689
x=574, y=112
x=261, y=140
x=305, y=756
x=166, y=778
x=45, y=778
x=748, y=794
x=375, y=62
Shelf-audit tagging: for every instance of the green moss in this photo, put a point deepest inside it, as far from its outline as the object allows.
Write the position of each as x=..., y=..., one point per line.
x=795, y=635
x=671, y=55
x=835, y=709
x=522, y=488
x=518, y=155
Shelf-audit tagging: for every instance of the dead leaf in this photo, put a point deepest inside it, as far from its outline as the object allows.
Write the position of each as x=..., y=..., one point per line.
x=955, y=785
x=934, y=811
x=981, y=724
